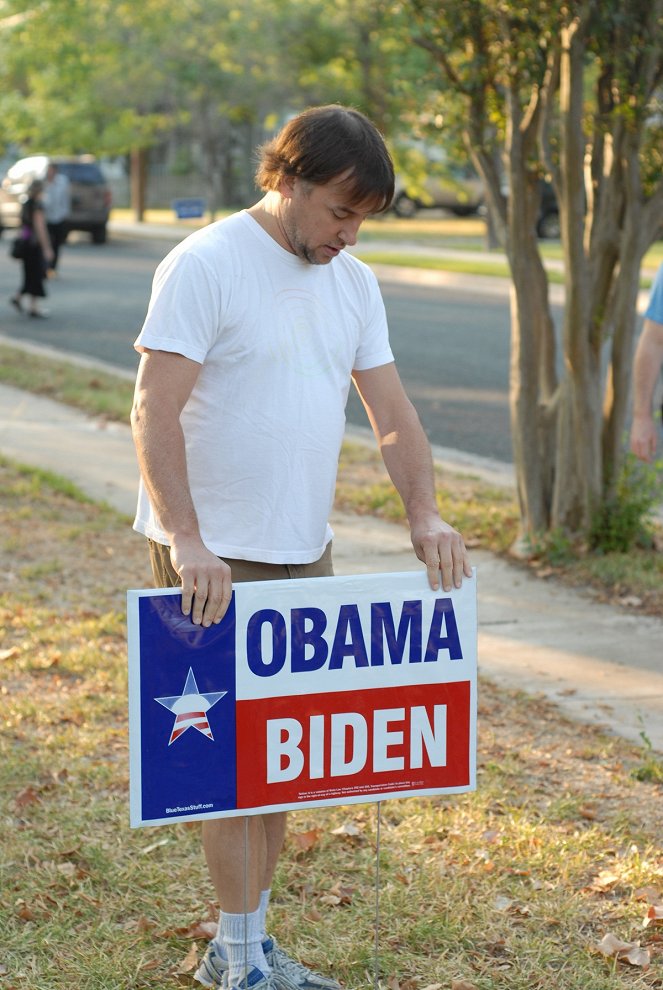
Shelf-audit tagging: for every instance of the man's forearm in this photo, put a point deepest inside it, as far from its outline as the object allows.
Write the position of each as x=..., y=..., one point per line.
x=162, y=460
x=407, y=457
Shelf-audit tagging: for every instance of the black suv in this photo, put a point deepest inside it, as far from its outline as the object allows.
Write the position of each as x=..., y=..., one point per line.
x=90, y=193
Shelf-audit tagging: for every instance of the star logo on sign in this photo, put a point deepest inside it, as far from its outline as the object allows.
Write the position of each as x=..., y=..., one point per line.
x=190, y=708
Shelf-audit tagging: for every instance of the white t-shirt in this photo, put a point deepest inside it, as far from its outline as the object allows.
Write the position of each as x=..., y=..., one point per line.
x=278, y=339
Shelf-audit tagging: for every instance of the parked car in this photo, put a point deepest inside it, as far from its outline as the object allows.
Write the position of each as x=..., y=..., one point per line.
x=547, y=225
x=460, y=191
x=90, y=193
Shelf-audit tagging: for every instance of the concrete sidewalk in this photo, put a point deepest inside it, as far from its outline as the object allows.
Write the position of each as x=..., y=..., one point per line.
x=597, y=663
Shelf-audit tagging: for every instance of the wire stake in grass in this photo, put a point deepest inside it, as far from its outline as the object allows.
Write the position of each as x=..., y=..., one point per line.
x=376, y=964
x=246, y=899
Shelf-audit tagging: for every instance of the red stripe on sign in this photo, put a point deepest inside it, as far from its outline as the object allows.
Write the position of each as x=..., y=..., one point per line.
x=352, y=744
x=189, y=715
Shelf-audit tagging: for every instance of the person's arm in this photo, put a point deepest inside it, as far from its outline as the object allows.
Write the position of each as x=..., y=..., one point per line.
x=646, y=370
x=40, y=229
x=407, y=457
x=163, y=385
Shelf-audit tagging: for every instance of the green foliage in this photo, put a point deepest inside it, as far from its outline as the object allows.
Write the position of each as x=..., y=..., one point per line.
x=623, y=520
x=555, y=547
x=651, y=768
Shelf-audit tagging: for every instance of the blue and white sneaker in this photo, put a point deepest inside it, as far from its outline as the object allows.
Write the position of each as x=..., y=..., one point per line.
x=213, y=969
x=288, y=974
x=253, y=979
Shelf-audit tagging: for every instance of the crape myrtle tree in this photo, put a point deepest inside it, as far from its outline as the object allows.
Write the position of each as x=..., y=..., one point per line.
x=570, y=92
x=117, y=78
x=78, y=76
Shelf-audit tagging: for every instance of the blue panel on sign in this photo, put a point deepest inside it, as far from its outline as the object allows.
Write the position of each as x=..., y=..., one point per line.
x=187, y=708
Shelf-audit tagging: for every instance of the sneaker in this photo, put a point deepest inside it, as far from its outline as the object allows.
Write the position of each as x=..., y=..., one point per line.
x=253, y=979
x=288, y=974
x=213, y=969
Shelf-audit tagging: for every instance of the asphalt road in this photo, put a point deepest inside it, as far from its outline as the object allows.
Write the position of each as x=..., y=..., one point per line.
x=451, y=342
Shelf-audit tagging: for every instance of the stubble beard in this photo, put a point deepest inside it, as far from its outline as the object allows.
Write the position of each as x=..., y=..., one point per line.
x=299, y=247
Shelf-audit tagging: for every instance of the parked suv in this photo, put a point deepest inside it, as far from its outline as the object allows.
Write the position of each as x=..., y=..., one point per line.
x=90, y=193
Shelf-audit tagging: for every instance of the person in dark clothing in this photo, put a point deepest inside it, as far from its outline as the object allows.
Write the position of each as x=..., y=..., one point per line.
x=38, y=254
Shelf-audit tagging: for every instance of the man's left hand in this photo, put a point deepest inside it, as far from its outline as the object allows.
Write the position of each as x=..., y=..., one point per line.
x=442, y=550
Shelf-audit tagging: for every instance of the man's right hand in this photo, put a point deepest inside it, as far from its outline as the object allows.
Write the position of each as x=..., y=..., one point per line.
x=644, y=437
x=206, y=581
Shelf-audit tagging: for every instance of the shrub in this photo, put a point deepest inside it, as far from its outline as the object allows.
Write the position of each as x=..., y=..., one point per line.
x=624, y=520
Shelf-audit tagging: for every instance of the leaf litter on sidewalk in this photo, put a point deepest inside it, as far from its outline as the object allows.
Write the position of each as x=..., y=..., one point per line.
x=551, y=874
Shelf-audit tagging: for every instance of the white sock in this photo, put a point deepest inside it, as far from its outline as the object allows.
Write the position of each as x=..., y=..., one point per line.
x=240, y=935
x=218, y=940
x=264, y=904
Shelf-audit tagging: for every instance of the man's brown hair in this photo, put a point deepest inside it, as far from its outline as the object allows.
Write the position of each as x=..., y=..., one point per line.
x=323, y=143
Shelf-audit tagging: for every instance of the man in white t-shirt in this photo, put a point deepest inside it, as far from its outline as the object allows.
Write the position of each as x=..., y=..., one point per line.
x=256, y=327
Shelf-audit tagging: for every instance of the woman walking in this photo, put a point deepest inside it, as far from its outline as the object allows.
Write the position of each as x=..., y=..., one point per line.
x=38, y=252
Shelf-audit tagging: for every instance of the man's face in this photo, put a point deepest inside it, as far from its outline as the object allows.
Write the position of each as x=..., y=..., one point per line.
x=318, y=220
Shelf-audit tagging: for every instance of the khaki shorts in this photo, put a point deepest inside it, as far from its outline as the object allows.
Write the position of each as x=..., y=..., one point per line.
x=165, y=575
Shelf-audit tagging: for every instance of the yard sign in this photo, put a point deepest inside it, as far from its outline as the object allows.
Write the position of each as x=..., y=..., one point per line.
x=310, y=692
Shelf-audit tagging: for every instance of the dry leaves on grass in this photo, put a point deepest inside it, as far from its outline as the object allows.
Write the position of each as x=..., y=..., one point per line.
x=540, y=761
x=629, y=952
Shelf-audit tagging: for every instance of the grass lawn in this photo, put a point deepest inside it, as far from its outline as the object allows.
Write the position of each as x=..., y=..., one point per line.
x=515, y=887
x=425, y=230
x=486, y=515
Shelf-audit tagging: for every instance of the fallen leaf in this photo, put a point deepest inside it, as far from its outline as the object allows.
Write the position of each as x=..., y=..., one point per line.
x=154, y=845
x=312, y=914
x=630, y=952
x=349, y=828
x=649, y=894
x=331, y=900
x=462, y=985
x=200, y=929
x=66, y=869
x=190, y=961
x=604, y=881
x=10, y=654
x=152, y=964
x=342, y=892
x=24, y=912
x=27, y=796
x=630, y=601
x=654, y=916
x=140, y=924
x=304, y=841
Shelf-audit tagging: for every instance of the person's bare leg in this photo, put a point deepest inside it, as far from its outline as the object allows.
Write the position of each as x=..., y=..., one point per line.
x=275, y=827
x=224, y=845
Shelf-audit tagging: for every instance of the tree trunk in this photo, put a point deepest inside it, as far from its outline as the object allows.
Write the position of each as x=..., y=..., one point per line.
x=577, y=487
x=138, y=182
x=530, y=325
